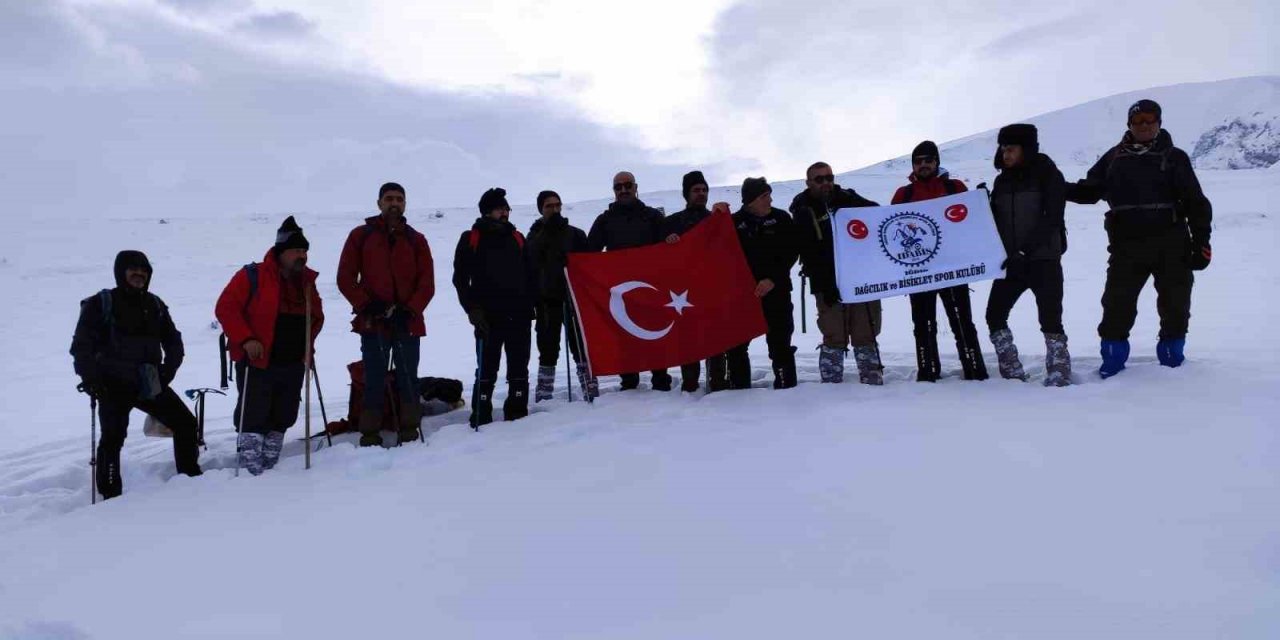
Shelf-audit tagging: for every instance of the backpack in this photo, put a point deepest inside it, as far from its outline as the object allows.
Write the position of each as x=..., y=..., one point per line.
x=224, y=346
x=947, y=186
x=473, y=239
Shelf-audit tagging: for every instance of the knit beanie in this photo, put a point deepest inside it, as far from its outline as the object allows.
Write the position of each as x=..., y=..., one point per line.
x=690, y=179
x=495, y=198
x=1145, y=106
x=289, y=236
x=542, y=197
x=926, y=149
x=753, y=188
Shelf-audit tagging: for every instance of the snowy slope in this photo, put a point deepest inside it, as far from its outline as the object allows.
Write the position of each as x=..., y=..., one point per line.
x=1142, y=507
x=1227, y=124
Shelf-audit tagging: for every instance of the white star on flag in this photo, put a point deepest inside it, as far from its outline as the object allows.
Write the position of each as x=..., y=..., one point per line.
x=679, y=301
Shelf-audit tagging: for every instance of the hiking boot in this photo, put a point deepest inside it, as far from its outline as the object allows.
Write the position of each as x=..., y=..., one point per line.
x=546, y=384
x=660, y=381
x=1114, y=355
x=1057, y=360
x=689, y=374
x=482, y=404
x=784, y=370
x=108, y=473
x=717, y=374
x=629, y=381
x=1007, y=356
x=869, y=369
x=831, y=364
x=371, y=439
x=1170, y=352
x=517, y=404
x=271, y=448
x=250, y=447
x=590, y=386
x=928, y=363
x=410, y=421
x=972, y=363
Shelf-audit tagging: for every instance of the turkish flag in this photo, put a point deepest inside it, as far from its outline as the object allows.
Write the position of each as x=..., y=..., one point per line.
x=665, y=305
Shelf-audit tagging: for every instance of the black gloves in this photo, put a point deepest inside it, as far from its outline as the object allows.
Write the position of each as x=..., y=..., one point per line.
x=167, y=374
x=831, y=296
x=477, y=320
x=92, y=386
x=1014, y=262
x=376, y=309
x=1200, y=254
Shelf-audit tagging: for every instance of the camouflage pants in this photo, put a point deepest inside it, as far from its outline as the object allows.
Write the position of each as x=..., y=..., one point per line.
x=843, y=325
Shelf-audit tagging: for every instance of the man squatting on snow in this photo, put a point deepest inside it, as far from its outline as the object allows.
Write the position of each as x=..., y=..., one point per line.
x=127, y=350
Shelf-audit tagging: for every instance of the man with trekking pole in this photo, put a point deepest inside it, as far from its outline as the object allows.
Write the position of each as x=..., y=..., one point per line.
x=387, y=274
x=127, y=351
x=271, y=313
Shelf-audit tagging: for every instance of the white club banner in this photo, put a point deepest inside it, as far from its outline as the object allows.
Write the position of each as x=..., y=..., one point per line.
x=883, y=252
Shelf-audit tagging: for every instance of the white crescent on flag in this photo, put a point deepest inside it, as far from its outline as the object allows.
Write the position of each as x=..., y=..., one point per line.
x=618, y=309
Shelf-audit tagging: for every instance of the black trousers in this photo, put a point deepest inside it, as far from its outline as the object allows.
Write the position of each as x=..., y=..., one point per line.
x=959, y=310
x=270, y=400
x=168, y=407
x=781, y=325
x=1044, y=279
x=509, y=333
x=1164, y=257
x=550, y=325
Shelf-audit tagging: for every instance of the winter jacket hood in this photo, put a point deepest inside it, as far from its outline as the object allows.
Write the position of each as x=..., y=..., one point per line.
x=131, y=259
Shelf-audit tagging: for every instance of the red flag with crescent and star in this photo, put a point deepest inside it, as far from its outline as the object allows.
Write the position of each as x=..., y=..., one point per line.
x=665, y=305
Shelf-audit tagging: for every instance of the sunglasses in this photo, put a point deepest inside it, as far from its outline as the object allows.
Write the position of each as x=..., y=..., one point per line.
x=924, y=160
x=624, y=186
x=1143, y=122
x=829, y=178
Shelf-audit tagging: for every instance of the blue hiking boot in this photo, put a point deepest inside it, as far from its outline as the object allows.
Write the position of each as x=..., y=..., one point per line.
x=1114, y=355
x=1170, y=351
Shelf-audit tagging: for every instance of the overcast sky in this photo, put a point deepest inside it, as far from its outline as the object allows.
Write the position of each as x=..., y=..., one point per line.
x=130, y=107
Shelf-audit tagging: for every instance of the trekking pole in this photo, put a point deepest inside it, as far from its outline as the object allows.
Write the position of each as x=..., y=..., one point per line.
x=307, y=357
x=475, y=388
x=93, y=449
x=244, y=397
x=803, y=281
x=324, y=415
x=568, y=376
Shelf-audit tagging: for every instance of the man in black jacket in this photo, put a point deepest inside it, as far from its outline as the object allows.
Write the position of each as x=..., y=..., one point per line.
x=496, y=289
x=1028, y=203
x=841, y=324
x=126, y=351
x=696, y=193
x=1158, y=226
x=628, y=223
x=551, y=239
x=768, y=237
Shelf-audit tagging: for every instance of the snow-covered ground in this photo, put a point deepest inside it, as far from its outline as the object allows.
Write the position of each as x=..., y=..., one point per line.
x=1142, y=507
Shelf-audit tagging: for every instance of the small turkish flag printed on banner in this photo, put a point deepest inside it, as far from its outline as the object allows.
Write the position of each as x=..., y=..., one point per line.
x=665, y=305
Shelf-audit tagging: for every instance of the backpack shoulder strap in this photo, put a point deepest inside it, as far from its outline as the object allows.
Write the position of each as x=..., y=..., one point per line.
x=473, y=239
x=519, y=238
x=104, y=300
x=251, y=272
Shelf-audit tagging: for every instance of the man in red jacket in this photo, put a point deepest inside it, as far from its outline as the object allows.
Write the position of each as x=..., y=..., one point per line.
x=929, y=180
x=263, y=311
x=387, y=275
